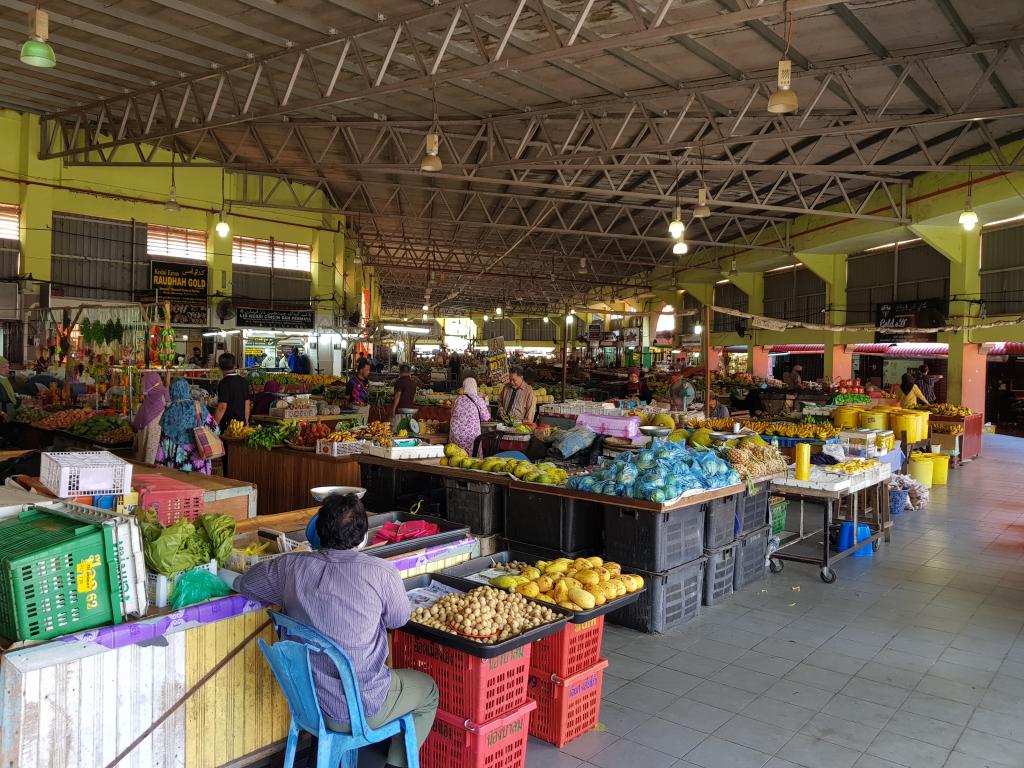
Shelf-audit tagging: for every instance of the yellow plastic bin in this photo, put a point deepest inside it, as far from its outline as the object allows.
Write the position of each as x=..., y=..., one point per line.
x=922, y=423
x=921, y=468
x=873, y=420
x=906, y=421
x=940, y=468
x=845, y=417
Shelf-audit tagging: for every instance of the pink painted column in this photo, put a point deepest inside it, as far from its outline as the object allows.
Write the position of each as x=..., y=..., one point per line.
x=842, y=363
x=757, y=361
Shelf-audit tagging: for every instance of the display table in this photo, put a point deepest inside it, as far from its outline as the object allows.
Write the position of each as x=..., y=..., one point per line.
x=852, y=495
x=970, y=438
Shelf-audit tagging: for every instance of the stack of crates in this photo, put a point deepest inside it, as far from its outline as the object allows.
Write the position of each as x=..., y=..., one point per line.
x=667, y=550
x=720, y=548
x=480, y=505
x=754, y=528
x=566, y=674
x=171, y=500
x=483, y=716
x=57, y=576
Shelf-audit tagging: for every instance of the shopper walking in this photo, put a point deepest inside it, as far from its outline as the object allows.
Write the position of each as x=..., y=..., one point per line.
x=233, y=402
x=468, y=411
x=181, y=419
x=147, y=421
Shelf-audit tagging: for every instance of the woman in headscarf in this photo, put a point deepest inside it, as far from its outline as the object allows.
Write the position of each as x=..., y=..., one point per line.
x=468, y=410
x=178, y=446
x=147, y=421
x=637, y=387
x=912, y=394
x=262, y=403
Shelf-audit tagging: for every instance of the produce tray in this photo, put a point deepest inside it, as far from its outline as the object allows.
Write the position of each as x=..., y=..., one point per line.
x=460, y=573
x=479, y=650
x=410, y=452
x=448, y=532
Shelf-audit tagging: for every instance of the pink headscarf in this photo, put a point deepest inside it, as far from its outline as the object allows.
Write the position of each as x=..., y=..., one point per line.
x=155, y=399
x=469, y=386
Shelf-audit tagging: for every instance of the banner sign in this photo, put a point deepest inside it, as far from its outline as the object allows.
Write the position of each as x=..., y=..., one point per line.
x=174, y=280
x=497, y=359
x=252, y=317
x=903, y=315
x=189, y=314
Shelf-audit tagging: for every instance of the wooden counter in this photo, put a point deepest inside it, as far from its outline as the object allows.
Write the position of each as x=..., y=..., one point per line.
x=284, y=476
x=223, y=495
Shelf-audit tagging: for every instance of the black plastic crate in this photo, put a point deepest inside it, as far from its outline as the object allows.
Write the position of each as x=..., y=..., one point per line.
x=718, y=573
x=751, y=558
x=671, y=599
x=752, y=508
x=654, y=541
x=480, y=505
x=381, y=484
x=547, y=553
x=720, y=528
x=547, y=520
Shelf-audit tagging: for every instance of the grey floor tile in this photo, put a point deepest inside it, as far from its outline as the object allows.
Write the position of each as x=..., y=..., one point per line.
x=778, y=762
x=1001, y=701
x=718, y=753
x=721, y=696
x=694, y=714
x=846, y=733
x=960, y=760
x=744, y=679
x=669, y=680
x=779, y=713
x=871, y=761
x=989, y=747
x=610, y=683
x=906, y=751
x=941, y=709
x=882, y=673
x=719, y=650
x=786, y=649
x=668, y=737
x=626, y=667
x=998, y=724
x=960, y=673
x=825, y=679
x=879, y=693
x=922, y=728
x=740, y=638
x=642, y=698
x=694, y=664
x=828, y=658
x=858, y=711
x=967, y=659
x=651, y=651
x=770, y=665
x=754, y=734
x=620, y=720
x=949, y=689
x=801, y=694
x=549, y=758
x=625, y=752
x=815, y=753
x=589, y=744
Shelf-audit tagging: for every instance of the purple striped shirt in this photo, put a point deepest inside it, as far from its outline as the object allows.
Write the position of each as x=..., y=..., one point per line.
x=351, y=598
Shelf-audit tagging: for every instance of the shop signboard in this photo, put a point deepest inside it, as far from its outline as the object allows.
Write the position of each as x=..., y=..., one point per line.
x=174, y=280
x=183, y=313
x=631, y=337
x=497, y=360
x=901, y=315
x=257, y=317
x=595, y=330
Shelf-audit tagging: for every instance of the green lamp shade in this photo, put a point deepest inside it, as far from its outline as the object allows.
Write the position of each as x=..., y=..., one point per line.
x=38, y=53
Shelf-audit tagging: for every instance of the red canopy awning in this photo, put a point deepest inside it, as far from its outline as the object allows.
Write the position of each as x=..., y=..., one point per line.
x=797, y=348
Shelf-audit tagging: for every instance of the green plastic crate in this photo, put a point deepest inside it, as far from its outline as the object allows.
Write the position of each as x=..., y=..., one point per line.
x=777, y=508
x=57, y=576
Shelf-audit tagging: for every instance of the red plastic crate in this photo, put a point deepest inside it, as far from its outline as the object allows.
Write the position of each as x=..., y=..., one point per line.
x=172, y=500
x=472, y=689
x=566, y=707
x=574, y=649
x=500, y=743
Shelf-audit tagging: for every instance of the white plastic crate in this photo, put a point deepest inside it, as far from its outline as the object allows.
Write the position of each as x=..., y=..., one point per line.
x=335, y=448
x=93, y=473
x=160, y=588
x=408, y=452
x=293, y=413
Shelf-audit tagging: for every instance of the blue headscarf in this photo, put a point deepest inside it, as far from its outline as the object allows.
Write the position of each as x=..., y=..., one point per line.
x=179, y=420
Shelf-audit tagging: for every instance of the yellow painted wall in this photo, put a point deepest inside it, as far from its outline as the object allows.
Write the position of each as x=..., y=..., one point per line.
x=42, y=187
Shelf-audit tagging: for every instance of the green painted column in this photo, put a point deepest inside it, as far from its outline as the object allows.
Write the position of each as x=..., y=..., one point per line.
x=752, y=284
x=965, y=382
x=831, y=267
x=36, y=231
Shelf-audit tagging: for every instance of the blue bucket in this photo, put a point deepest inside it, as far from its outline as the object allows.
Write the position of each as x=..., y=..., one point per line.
x=846, y=539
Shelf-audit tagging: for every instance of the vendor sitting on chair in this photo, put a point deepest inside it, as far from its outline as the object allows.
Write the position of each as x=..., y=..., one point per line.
x=353, y=599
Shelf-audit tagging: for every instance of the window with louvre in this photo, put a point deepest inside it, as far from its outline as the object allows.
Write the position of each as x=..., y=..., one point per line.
x=9, y=218
x=175, y=242
x=267, y=254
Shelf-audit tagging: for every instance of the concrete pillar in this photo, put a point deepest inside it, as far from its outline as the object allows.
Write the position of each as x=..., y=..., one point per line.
x=758, y=360
x=838, y=362
x=965, y=383
x=36, y=234
x=752, y=284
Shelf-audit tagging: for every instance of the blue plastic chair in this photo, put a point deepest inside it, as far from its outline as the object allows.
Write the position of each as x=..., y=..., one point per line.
x=290, y=662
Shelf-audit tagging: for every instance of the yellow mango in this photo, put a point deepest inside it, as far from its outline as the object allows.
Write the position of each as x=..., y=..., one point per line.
x=529, y=589
x=588, y=577
x=581, y=564
x=595, y=561
x=573, y=583
x=556, y=567
x=613, y=568
x=603, y=574
x=598, y=593
x=582, y=598
x=608, y=589
x=545, y=599
x=544, y=583
x=504, y=582
x=620, y=586
x=530, y=573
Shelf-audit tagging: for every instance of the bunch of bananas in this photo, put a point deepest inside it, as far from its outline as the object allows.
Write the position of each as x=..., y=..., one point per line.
x=853, y=466
x=946, y=409
x=787, y=429
x=939, y=428
x=716, y=425
x=236, y=430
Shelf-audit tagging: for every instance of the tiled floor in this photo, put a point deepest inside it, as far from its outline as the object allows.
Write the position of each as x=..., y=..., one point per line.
x=914, y=658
